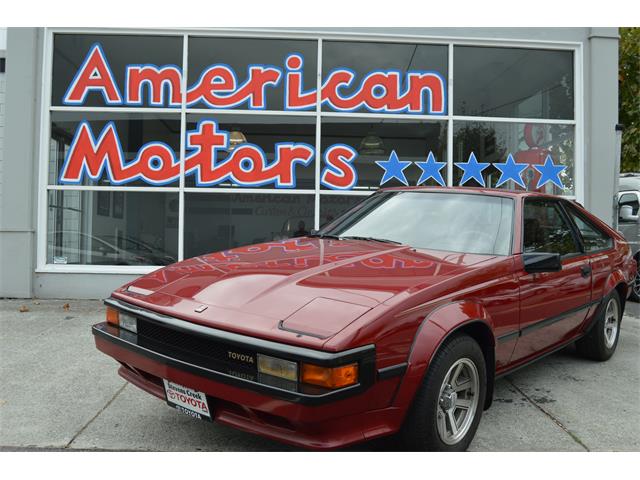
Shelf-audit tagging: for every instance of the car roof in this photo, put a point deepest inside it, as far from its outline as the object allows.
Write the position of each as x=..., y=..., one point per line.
x=496, y=192
x=629, y=182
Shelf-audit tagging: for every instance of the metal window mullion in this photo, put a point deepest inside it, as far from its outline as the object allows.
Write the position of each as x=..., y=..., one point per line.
x=183, y=134
x=230, y=111
x=292, y=34
x=236, y=190
x=471, y=118
x=142, y=110
x=450, y=94
x=347, y=193
x=398, y=116
x=318, y=156
x=111, y=188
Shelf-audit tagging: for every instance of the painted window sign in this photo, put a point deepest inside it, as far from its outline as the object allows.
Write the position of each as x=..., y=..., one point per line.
x=247, y=165
x=354, y=152
x=219, y=86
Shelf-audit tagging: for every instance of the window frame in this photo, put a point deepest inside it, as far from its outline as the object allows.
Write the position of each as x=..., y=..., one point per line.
x=568, y=209
x=575, y=233
x=319, y=36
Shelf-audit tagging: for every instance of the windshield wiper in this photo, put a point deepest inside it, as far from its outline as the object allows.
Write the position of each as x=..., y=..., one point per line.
x=324, y=235
x=371, y=239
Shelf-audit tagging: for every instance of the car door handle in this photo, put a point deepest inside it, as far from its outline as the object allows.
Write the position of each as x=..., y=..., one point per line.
x=585, y=270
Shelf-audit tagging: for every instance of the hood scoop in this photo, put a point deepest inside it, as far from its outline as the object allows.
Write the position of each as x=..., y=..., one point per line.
x=322, y=317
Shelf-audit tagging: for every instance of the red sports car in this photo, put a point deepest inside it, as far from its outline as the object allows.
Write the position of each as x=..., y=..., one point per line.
x=396, y=317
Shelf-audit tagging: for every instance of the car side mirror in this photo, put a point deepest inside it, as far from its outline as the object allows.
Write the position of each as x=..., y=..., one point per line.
x=542, y=262
x=626, y=214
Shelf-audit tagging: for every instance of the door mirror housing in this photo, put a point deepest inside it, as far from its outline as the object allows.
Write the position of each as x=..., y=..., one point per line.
x=626, y=214
x=542, y=262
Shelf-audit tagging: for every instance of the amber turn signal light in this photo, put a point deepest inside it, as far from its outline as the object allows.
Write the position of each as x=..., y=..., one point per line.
x=328, y=377
x=113, y=317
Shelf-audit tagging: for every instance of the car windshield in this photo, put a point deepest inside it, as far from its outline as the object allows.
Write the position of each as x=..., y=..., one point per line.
x=452, y=222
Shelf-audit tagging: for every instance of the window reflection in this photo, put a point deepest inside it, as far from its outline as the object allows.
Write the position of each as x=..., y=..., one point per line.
x=215, y=222
x=492, y=142
x=375, y=140
x=112, y=228
x=513, y=82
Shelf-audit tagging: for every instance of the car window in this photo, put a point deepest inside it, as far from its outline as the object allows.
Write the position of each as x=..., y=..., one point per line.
x=630, y=199
x=546, y=229
x=593, y=238
x=453, y=222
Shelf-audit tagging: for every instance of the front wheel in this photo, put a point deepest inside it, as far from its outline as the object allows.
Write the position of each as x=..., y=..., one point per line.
x=448, y=405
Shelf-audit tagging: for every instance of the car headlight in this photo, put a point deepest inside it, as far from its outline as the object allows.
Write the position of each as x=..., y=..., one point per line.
x=328, y=377
x=277, y=367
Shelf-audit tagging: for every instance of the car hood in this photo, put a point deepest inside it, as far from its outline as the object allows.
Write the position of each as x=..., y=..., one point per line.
x=307, y=285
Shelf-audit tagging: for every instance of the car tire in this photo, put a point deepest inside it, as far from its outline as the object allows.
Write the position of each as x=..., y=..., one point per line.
x=635, y=287
x=602, y=340
x=437, y=402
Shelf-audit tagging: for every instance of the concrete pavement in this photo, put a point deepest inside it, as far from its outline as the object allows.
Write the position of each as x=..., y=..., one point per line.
x=59, y=392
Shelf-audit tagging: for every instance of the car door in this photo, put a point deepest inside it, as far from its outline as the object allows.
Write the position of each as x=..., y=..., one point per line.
x=552, y=304
x=597, y=245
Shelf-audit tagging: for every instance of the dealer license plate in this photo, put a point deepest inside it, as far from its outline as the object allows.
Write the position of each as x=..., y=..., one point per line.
x=187, y=401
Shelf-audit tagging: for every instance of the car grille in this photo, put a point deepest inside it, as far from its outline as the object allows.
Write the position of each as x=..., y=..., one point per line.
x=195, y=349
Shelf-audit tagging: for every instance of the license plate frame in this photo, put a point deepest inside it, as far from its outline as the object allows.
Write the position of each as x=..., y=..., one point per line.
x=187, y=401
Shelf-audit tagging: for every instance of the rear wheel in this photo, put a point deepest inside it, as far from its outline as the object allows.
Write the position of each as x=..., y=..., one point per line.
x=635, y=287
x=600, y=343
x=448, y=405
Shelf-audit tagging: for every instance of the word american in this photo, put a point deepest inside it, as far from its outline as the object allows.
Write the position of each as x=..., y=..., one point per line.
x=218, y=86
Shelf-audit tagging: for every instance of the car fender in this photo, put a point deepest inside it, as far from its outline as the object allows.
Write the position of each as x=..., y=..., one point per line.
x=615, y=278
x=436, y=327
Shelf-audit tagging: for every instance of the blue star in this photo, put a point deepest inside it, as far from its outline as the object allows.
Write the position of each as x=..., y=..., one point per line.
x=510, y=170
x=549, y=172
x=393, y=168
x=472, y=170
x=431, y=169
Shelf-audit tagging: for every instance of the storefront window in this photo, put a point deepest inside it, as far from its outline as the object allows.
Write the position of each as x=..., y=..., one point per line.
x=384, y=77
x=108, y=149
x=245, y=153
x=266, y=151
x=332, y=206
x=513, y=82
x=533, y=156
x=219, y=221
x=370, y=162
x=91, y=70
x=222, y=62
x=112, y=228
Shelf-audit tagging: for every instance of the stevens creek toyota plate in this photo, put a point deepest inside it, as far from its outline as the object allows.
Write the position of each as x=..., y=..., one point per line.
x=188, y=401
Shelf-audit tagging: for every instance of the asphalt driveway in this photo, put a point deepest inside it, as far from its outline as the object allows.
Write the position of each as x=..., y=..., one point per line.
x=59, y=392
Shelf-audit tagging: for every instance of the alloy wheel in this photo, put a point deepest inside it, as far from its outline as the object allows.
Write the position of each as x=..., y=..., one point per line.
x=611, y=323
x=458, y=401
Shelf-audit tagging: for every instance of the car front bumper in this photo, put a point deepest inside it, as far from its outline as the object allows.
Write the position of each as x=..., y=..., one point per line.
x=308, y=417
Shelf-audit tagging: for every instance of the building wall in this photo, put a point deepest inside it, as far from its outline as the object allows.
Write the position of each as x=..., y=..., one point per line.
x=19, y=171
x=19, y=167
x=3, y=83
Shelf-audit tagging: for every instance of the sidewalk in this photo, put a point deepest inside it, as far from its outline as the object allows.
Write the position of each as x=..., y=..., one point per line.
x=59, y=392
